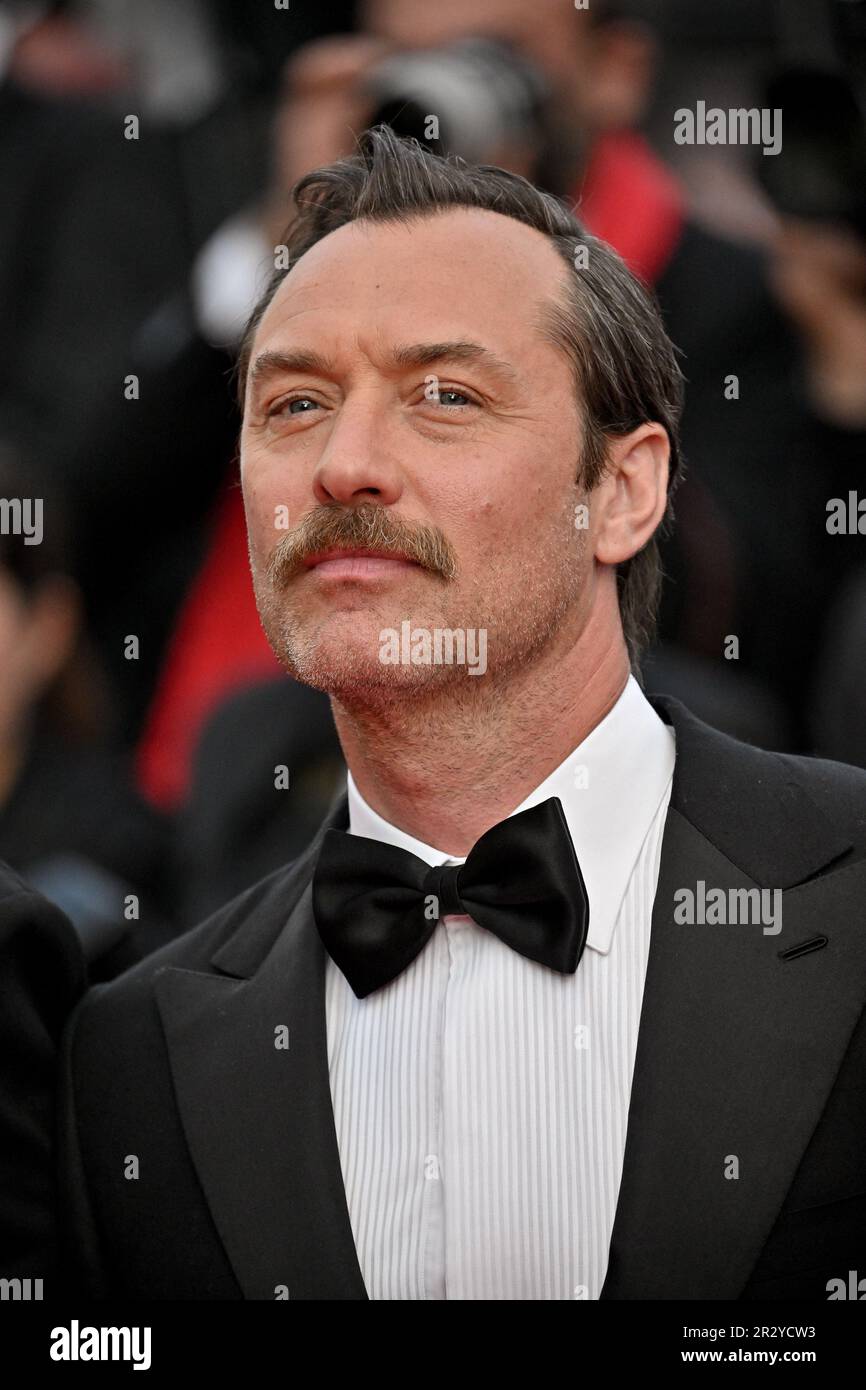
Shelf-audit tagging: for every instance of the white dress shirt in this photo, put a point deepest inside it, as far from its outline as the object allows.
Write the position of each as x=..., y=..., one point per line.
x=481, y=1099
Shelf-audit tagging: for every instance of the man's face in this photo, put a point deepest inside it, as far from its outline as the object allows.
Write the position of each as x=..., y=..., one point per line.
x=478, y=485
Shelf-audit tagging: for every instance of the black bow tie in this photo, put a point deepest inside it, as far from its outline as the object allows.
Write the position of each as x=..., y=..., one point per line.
x=376, y=906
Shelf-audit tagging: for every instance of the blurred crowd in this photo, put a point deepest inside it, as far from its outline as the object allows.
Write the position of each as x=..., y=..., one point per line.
x=146, y=158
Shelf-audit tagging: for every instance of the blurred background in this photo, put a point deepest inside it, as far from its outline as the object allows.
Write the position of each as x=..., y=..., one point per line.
x=146, y=154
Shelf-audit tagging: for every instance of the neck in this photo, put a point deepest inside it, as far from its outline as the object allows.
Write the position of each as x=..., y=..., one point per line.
x=445, y=768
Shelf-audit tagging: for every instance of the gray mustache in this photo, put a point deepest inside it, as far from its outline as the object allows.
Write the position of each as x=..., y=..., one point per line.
x=366, y=526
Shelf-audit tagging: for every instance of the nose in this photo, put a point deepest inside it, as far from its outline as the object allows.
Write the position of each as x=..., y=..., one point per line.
x=357, y=464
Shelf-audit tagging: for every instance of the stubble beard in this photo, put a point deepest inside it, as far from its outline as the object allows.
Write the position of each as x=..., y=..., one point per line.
x=524, y=611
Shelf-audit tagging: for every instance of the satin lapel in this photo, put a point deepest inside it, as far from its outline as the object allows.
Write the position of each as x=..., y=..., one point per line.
x=257, y=1117
x=737, y=1053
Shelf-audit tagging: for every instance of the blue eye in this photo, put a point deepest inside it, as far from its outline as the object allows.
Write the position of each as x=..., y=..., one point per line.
x=300, y=401
x=446, y=391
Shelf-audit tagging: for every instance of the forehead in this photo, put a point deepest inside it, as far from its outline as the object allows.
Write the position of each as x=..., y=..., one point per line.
x=465, y=270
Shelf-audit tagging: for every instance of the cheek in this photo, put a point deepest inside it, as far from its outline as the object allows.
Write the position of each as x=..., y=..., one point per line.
x=491, y=528
x=478, y=531
x=257, y=518
x=270, y=505
x=539, y=511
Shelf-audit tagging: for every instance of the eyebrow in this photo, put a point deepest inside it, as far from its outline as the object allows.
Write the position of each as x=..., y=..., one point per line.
x=426, y=354
x=272, y=363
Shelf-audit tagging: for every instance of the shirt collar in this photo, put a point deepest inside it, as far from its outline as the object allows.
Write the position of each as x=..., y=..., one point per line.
x=610, y=787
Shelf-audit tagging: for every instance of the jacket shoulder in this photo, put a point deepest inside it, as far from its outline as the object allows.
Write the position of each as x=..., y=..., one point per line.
x=783, y=818
x=265, y=905
x=837, y=789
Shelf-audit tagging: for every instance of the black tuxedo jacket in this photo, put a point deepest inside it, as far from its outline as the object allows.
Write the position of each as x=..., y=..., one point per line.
x=747, y=1049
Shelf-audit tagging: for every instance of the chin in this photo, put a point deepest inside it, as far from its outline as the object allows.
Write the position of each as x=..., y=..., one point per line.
x=337, y=656
x=341, y=652
x=352, y=673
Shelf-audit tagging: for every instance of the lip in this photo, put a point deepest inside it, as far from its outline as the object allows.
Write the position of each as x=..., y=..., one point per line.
x=357, y=564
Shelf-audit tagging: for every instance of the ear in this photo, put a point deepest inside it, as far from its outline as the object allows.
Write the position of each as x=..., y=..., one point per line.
x=629, y=502
x=621, y=74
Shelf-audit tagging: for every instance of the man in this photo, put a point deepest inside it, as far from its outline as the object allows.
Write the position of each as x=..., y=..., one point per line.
x=470, y=1045
x=598, y=69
